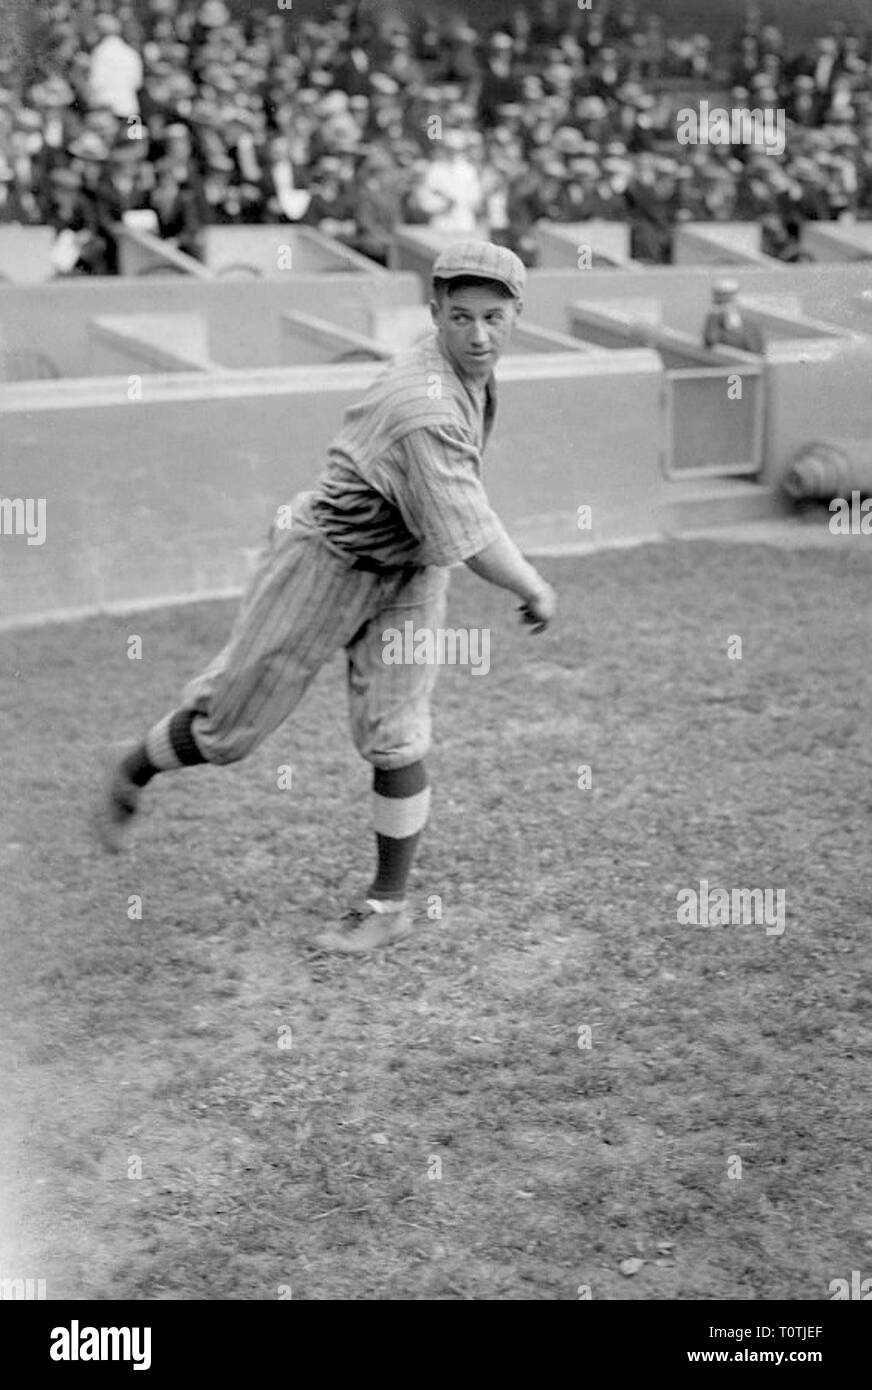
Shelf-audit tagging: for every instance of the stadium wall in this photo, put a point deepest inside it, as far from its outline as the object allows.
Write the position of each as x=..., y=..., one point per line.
x=831, y=293
x=244, y=316
x=170, y=496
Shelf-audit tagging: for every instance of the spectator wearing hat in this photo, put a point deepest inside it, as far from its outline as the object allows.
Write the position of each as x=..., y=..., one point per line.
x=746, y=60
x=18, y=202
x=63, y=215
x=725, y=326
x=651, y=204
x=211, y=17
x=804, y=104
x=88, y=215
x=381, y=187
x=526, y=201
x=605, y=76
x=352, y=73
x=500, y=85
x=821, y=62
x=649, y=50
x=839, y=108
x=548, y=197
x=282, y=199
x=116, y=70
x=451, y=191
x=502, y=160
x=332, y=207
x=401, y=63
x=459, y=62
x=216, y=189
x=123, y=188
x=241, y=143
x=621, y=23
x=812, y=204
x=26, y=186
x=53, y=98
x=545, y=30
x=179, y=205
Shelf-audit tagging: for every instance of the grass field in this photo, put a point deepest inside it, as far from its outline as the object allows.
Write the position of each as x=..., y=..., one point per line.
x=434, y=1130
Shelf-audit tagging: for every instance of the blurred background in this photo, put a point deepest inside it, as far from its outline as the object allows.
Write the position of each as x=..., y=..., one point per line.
x=353, y=118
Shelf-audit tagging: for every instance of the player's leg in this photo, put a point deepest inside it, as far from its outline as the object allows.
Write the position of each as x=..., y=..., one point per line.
x=390, y=718
x=302, y=605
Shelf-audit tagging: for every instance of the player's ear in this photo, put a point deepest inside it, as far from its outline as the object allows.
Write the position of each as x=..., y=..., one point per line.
x=434, y=310
x=519, y=307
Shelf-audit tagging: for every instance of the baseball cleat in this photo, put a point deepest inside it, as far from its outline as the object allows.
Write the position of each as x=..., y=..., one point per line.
x=365, y=929
x=115, y=809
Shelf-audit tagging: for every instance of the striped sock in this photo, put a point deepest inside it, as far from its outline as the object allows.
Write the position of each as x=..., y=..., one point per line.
x=401, y=802
x=170, y=744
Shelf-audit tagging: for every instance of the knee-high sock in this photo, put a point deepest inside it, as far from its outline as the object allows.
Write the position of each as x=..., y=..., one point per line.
x=401, y=802
x=170, y=744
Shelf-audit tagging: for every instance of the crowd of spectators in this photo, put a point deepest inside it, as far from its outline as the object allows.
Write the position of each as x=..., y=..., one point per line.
x=175, y=111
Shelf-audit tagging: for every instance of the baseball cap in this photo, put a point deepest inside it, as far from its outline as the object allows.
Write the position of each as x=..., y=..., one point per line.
x=484, y=259
x=725, y=289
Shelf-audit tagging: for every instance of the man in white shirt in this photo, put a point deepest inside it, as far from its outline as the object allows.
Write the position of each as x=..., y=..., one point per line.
x=451, y=190
x=116, y=74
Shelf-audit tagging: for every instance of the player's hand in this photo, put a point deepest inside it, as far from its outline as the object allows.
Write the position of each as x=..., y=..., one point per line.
x=539, y=608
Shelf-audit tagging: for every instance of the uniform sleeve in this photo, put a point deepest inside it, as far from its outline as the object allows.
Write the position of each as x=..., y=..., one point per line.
x=438, y=490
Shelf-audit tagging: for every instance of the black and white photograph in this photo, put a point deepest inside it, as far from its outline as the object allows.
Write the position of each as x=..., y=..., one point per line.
x=435, y=565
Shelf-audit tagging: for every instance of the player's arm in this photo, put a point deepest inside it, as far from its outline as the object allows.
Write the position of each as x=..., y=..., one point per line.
x=445, y=505
x=502, y=563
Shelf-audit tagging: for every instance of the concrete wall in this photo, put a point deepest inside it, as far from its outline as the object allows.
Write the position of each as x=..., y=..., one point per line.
x=274, y=249
x=827, y=292
x=170, y=495
x=559, y=243
x=838, y=241
x=243, y=315
x=721, y=243
x=135, y=343
x=815, y=389
x=144, y=253
x=25, y=253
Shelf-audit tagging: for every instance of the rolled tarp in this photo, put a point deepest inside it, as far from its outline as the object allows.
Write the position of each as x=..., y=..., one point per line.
x=830, y=468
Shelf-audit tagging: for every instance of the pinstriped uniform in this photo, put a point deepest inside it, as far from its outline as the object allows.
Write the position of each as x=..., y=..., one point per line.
x=368, y=549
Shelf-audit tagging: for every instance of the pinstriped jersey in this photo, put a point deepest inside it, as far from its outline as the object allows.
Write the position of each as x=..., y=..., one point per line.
x=403, y=478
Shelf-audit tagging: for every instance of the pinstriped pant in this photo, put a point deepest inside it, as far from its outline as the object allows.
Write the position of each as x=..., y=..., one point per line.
x=302, y=605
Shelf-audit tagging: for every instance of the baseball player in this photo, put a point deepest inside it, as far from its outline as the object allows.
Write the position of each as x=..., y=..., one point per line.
x=368, y=549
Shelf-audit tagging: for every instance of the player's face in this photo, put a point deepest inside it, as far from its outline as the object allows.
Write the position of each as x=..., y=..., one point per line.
x=474, y=324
